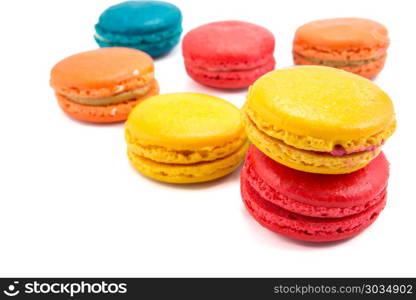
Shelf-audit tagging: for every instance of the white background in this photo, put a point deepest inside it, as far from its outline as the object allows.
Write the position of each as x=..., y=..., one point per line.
x=71, y=204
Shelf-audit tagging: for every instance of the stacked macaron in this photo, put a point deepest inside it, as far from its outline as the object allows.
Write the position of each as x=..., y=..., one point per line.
x=309, y=121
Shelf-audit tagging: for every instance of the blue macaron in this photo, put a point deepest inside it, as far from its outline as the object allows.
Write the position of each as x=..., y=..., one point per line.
x=154, y=27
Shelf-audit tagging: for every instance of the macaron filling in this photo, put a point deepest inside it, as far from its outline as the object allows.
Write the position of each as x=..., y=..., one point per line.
x=340, y=63
x=115, y=99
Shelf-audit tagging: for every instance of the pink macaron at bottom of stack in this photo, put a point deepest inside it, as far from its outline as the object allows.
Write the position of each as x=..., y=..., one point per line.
x=313, y=207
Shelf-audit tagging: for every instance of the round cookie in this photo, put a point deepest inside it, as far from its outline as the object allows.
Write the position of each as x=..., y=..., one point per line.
x=185, y=138
x=318, y=119
x=352, y=44
x=154, y=27
x=102, y=86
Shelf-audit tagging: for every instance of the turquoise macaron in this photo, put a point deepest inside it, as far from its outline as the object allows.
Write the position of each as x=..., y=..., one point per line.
x=154, y=27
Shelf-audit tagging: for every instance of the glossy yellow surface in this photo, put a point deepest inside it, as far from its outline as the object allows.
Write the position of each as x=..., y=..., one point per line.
x=185, y=137
x=317, y=108
x=304, y=160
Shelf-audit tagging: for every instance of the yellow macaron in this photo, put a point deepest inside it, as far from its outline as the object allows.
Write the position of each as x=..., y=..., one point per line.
x=318, y=119
x=185, y=137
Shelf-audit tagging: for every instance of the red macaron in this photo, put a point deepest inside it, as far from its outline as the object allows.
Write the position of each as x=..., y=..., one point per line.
x=228, y=54
x=313, y=207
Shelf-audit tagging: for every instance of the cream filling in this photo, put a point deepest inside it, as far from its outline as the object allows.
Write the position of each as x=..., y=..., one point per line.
x=341, y=63
x=115, y=99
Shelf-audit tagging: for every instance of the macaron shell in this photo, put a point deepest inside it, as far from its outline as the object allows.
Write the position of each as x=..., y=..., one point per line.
x=102, y=114
x=316, y=194
x=331, y=105
x=102, y=72
x=154, y=49
x=188, y=173
x=139, y=17
x=305, y=228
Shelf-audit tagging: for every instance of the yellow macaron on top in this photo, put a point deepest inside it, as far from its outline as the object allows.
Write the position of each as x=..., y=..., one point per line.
x=318, y=108
x=185, y=121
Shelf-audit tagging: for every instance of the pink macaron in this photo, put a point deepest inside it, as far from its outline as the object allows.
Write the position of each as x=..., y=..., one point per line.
x=228, y=54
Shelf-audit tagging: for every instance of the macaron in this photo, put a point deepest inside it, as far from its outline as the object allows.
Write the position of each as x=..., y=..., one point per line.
x=228, y=54
x=318, y=119
x=102, y=86
x=352, y=44
x=154, y=27
x=313, y=207
x=185, y=138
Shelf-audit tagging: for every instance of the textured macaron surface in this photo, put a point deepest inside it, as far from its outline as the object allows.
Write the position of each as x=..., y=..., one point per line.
x=313, y=207
x=363, y=37
x=102, y=72
x=320, y=108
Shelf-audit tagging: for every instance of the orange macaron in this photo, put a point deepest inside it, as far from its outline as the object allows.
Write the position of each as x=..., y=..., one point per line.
x=103, y=85
x=352, y=44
